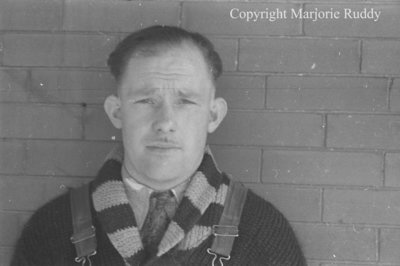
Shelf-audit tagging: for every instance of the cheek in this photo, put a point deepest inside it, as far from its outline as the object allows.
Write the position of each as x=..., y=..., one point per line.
x=199, y=115
x=195, y=128
x=134, y=124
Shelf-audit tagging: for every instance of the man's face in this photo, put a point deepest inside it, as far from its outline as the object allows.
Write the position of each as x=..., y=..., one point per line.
x=166, y=108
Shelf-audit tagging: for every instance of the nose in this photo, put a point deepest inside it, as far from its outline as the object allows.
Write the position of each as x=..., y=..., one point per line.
x=165, y=119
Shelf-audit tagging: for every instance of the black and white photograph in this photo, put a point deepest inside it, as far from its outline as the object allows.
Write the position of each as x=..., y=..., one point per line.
x=189, y=132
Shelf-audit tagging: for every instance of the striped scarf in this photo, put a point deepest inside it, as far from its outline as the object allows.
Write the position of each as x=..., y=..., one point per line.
x=199, y=209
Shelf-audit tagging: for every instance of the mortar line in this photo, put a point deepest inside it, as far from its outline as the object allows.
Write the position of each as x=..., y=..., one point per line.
x=388, y=92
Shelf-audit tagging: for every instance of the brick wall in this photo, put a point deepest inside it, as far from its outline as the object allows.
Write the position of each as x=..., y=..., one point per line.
x=314, y=121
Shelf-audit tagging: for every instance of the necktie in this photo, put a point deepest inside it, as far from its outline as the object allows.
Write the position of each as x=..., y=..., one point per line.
x=161, y=209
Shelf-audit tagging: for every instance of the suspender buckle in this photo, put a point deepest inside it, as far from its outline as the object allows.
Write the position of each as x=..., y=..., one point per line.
x=217, y=256
x=83, y=235
x=224, y=236
x=85, y=259
x=83, y=243
x=225, y=230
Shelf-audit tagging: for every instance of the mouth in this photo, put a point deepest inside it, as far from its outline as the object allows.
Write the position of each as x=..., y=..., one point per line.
x=163, y=146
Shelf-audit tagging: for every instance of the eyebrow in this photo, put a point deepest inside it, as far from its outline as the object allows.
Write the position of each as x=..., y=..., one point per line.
x=149, y=91
x=188, y=94
x=141, y=92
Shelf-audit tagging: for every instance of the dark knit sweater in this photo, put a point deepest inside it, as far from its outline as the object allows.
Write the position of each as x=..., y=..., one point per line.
x=265, y=238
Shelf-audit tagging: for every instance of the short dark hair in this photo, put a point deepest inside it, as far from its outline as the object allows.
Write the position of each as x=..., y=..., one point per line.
x=149, y=41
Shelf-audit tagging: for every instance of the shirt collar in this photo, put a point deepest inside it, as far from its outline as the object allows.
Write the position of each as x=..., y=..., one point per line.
x=131, y=183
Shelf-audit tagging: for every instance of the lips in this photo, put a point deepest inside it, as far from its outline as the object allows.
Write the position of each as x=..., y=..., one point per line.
x=162, y=145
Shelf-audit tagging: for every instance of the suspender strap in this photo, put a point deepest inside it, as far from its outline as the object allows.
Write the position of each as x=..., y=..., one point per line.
x=84, y=236
x=227, y=230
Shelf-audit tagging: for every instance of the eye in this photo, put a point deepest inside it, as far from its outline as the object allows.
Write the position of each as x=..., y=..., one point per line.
x=146, y=101
x=186, y=101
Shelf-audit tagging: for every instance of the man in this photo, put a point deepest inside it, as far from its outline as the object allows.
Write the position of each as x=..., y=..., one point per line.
x=165, y=106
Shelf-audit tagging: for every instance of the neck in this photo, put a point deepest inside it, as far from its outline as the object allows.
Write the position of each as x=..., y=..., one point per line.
x=150, y=183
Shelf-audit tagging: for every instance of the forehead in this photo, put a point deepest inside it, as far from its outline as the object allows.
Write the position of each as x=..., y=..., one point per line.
x=173, y=66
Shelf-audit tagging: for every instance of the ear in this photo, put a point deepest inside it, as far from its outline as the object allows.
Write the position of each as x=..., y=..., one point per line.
x=112, y=106
x=218, y=110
